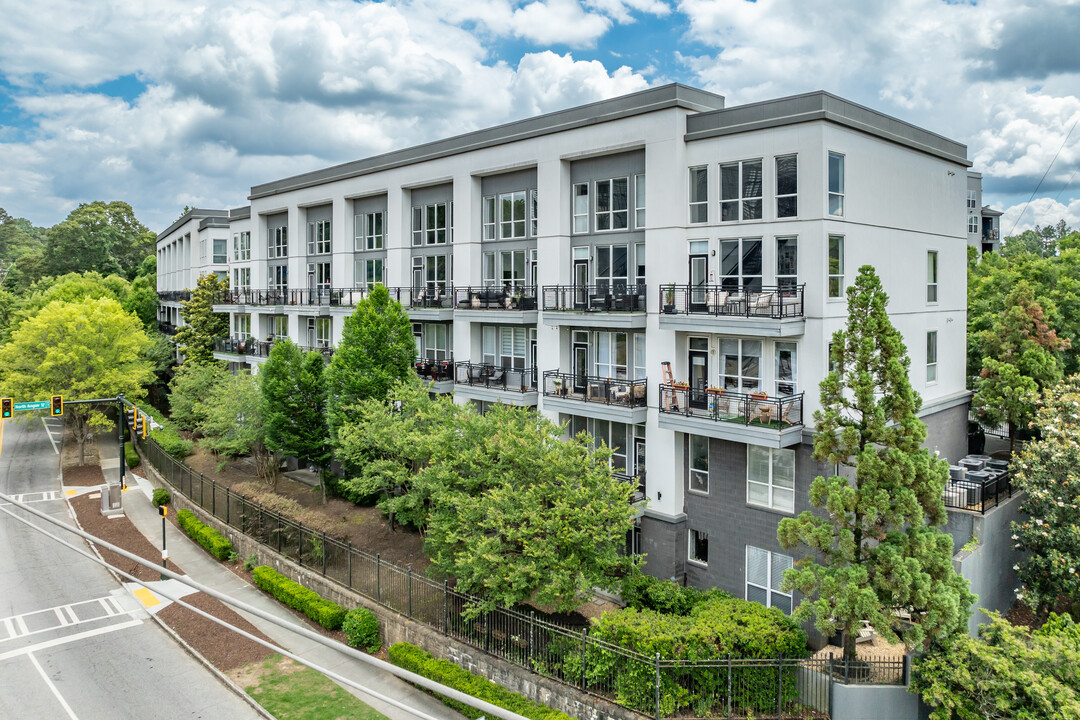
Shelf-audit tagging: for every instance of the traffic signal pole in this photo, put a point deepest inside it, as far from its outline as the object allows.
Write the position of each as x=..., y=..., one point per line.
x=120, y=419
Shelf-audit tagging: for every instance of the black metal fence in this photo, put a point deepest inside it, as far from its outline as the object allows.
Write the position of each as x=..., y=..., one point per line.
x=978, y=496
x=725, y=687
x=729, y=406
x=733, y=300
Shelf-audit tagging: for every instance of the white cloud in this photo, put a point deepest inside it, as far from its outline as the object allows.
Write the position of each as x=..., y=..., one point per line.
x=559, y=21
x=1041, y=211
x=545, y=82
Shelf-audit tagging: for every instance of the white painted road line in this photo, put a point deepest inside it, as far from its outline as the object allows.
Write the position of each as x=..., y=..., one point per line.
x=59, y=697
x=49, y=433
x=70, y=639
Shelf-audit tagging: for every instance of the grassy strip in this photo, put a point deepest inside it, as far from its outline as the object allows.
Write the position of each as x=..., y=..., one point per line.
x=215, y=543
x=290, y=691
x=325, y=612
x=421, y=662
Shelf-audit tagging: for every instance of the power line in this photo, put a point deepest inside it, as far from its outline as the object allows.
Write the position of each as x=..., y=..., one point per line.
x=406, y=675
x=1052, y=160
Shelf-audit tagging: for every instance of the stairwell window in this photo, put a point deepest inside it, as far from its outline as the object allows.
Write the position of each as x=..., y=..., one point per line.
x=764, y=573
x=836, y=184
x=787, y=186
x=699, y=547
x=836, y=266
x=699, y=194
x=931, y=276
x=931, y=357
x=740, y=191
x=612, y=203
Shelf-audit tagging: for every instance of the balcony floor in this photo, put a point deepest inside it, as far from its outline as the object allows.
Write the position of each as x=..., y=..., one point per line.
x=734, y=324
x=613, y=412
x=772, y=435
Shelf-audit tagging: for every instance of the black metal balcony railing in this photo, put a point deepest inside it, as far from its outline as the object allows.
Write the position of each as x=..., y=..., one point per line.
x=757, y=301
x=758, y=410
x=638, y=481
x=507, y=297
x=167, y=328
x=588, y=388
x=606, y=297
x=979, y=495
x=495, y=377
x=260, y=348
x=435, y=370
x=434, y=296
x=174, y=295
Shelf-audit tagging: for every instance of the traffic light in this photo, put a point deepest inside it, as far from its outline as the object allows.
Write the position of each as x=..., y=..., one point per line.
x=8, y=407
x=57, y=404
x=140, y=425
x=130, y=413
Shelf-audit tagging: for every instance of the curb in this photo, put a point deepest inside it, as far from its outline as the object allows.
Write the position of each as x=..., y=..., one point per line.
x=222, y=677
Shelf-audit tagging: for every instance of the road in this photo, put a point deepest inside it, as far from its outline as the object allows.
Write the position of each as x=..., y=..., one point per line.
x=73, y=643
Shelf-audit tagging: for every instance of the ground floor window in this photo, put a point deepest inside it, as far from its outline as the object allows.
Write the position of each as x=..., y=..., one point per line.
x=764, y=572
x=699, y=547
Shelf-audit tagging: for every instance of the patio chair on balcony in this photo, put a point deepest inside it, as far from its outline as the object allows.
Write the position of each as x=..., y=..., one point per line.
x=787, y=411
x=497, y=377
x=716, y=300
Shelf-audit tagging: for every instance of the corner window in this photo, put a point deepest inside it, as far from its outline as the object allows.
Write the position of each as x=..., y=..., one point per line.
x=581, y=208
x=931, y=356
x=318, y=241
x=611, y=204
x=639, y=201
x=787, y=186
x=764, y=573
x=512, y=216
x=699, y=547
x=836, y=266
x=836, y=184
x=699, y=194
x=699, y=464
x=770, y=478
x=740, y=191
x=931, y=276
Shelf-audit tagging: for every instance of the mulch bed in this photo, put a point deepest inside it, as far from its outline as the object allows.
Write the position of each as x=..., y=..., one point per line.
x=83, y=476
x=224, y=649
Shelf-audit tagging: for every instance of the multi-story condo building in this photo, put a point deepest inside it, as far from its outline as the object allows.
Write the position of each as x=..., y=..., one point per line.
x=983, y=221
x=656, y=269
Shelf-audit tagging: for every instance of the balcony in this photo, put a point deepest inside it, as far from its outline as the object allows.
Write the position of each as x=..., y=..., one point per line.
x=638, y=481
x=166, y=328
x=617, y=400
x=516, y=304
x=768, y=311
x=174, y=295
x=252, y=350
x=426, y=303
x=494, y=383
x=754, y=419
x=440, y=373
x=604, y=305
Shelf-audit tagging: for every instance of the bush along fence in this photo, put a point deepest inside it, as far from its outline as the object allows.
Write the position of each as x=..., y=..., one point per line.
x=722, y=687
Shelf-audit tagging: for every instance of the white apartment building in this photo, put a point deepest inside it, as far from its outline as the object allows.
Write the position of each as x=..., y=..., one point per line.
x=565, y=262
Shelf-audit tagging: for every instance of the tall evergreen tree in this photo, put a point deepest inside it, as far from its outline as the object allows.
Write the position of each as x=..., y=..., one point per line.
x=376, y=350
x=876, y=548
x=293, y=405
x=203, y=325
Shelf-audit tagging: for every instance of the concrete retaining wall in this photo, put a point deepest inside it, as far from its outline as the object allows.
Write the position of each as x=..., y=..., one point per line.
x=873, y=702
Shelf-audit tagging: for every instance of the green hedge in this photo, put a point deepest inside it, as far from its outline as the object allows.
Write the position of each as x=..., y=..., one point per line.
x=161, y=497
x=714, y=628
x=645, y=592
x=325, y=612
x=421, y=662
x=168, y=437
x=131, y=457
x=361, y=629
x=215, y=543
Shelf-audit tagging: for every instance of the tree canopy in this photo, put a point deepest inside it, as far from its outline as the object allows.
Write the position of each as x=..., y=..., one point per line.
x=877, y=548
x=99, y=236
x=195, y=339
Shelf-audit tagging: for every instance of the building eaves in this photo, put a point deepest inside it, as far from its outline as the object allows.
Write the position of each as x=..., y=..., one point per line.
x=991, y=212
x=639, y=103
x=242, y=213
x=214, y=222
x=825, y=106
x=193, y=214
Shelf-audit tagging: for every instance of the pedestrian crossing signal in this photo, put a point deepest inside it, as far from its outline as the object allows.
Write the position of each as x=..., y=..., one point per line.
x=57, y=404
x=8, y=406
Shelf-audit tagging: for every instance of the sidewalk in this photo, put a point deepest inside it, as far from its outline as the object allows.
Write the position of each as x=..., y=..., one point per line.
x=203, y=568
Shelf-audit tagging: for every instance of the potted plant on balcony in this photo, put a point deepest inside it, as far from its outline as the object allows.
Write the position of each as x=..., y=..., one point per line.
x=669, y=300
x=557, y=386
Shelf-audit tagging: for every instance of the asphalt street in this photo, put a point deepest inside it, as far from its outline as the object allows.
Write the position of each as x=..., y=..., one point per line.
x=74, y=643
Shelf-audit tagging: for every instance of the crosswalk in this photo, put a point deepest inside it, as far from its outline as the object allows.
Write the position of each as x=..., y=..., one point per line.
x=60, y=616
x=35, y=497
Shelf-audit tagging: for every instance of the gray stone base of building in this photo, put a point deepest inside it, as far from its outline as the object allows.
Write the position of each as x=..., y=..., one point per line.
x=663, y=541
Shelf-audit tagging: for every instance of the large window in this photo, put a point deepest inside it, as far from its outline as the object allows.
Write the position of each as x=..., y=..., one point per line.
x=241, y=326
x=278, y=278
x=931, y=356
x=277, y=242
x=322, y=332
x=279, y=326
x=836, y=184
x=581, y=208
x=611, y=355
x=241, y=246
x=836, y=266
x=221, y=251
x=318, y=237
x=931, y=276
x=429, y=224
x=429, y=272
x=319, y=275
x=770, y=478
x=368, y=231
x=740, y=365
x=698, y=551
x=787, y=369
x=612, y=266
x=699, y=464
x=972, y=200
x=368, y=272
x=504, y=269
x=241, y=278
x=639, y=201
x=699, y=194
x=764, y=573
x=787, y=186
x=740, y=191
x=973, y=224
x=512, y=216
x=612, y=203
x=787, y=263
x=740, y=264
x=433, y=340
x=506, y=347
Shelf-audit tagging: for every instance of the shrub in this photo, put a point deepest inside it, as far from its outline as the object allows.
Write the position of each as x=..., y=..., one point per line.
x=161, y=497
x=170, y=441
x=419, y=661
x=713, y=629
x=215, y=543
x=325, y=612
x=645, y=592
x=131, y=456
x=361, y=629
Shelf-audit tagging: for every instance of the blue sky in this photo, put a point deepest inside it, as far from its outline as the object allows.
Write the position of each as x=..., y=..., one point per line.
x=166, y=104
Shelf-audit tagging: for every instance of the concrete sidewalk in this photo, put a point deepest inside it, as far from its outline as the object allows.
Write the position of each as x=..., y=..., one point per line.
x=204, y=569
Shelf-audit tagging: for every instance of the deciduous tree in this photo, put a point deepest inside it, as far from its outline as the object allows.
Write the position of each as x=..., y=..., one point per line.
x=232, y=422
x=196, y=338
x=106, y=237
x=82, y=350
x=876, y=547
x=190, y=388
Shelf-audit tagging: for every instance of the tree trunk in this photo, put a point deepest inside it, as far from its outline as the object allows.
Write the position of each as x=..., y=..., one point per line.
x=851, y=634
x=1012, y=438
x=82, y=449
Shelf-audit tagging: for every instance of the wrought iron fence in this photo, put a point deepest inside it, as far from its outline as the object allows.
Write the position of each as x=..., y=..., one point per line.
x=618, y=296
x=733, y=300
x=978, y=496
x=729, y=406
x=724, y=687
x=587, y=388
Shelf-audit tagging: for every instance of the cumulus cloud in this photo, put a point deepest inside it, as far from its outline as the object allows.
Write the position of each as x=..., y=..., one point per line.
x=1041, y=211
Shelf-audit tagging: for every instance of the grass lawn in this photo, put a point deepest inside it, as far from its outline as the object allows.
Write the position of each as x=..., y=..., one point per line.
x=290, y=691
